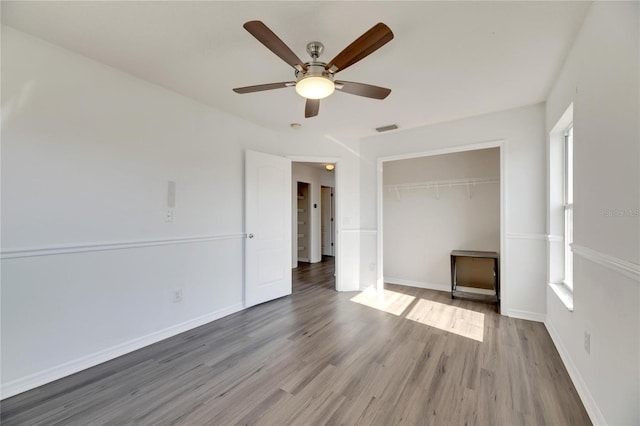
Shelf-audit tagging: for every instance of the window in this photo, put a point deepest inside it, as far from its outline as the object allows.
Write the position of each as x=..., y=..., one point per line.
x=568, y=206
x=560, y=209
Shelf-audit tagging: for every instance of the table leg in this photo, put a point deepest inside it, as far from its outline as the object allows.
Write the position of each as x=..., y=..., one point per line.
x=453, y=275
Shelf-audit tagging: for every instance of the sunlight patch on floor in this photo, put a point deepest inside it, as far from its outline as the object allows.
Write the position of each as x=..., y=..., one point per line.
x=389, y=301
x=452, y=319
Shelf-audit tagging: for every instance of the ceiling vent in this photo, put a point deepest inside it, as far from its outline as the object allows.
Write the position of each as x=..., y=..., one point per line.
x=386, y=128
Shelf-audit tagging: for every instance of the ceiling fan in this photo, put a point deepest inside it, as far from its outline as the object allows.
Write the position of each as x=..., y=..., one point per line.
x=315, y=79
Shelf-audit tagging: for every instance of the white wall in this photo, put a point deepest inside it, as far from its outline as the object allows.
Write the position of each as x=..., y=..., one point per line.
x=420, y=229
x=89, y=265
x=522, y=130
x=601, y=78
x=316, y=178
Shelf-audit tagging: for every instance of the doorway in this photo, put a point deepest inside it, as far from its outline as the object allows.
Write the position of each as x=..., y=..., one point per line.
x=314, y=231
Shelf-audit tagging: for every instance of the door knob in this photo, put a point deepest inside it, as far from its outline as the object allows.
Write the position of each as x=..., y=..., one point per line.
x=250, y=235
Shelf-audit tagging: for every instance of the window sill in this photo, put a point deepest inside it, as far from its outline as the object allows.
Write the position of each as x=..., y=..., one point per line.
x=564, y=294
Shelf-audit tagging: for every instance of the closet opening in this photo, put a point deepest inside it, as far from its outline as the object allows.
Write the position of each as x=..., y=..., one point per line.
x=433, y=204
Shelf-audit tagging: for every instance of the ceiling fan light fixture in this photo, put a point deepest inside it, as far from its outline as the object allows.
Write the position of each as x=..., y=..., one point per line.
x=315, y=87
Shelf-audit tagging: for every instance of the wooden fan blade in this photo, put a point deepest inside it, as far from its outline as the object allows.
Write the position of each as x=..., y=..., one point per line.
x=262, y=87
x=366, y=44
x=361, y=89
x=267, y=37
x=311, y=108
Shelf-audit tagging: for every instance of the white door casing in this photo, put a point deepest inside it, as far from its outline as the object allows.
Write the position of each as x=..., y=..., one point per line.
x=326, y=195
x=268, y=227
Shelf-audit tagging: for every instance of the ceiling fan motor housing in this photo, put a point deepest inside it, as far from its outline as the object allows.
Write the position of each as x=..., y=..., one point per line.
x=314, y=69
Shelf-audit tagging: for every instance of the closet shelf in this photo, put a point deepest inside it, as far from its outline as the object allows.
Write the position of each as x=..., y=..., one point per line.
x=437, y=185
x=302, y=217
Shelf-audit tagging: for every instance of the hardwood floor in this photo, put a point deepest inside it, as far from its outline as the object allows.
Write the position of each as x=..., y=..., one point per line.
x=317, y=357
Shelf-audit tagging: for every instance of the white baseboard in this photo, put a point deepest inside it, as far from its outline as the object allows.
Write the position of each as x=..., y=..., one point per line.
x=40, y=378
x=419, y=284
x=526, y=315
x=438, y=287
x=596, y=416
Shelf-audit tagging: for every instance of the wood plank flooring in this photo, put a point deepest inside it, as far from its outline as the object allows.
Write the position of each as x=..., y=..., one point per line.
x=317, y=357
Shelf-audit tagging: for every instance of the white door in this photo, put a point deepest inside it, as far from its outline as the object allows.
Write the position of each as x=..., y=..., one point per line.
x=268, y=227
x=326, y=201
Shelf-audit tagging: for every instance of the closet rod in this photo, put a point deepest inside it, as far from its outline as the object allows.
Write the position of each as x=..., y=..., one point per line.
x=442, y=183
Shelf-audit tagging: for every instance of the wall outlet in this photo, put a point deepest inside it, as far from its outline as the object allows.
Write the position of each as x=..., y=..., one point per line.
x=169, y=216
x=587, y=342
x=177, y=295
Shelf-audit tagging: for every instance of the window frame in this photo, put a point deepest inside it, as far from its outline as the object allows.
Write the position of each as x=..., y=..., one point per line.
x=567, y=177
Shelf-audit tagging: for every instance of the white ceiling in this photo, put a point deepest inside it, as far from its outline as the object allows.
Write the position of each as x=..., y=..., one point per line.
x=448, y=60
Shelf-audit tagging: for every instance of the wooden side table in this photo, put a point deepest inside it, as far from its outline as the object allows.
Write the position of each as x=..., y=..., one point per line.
x=455, y=254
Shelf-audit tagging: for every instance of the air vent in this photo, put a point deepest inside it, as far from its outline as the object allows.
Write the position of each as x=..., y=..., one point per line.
x=386, y=128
